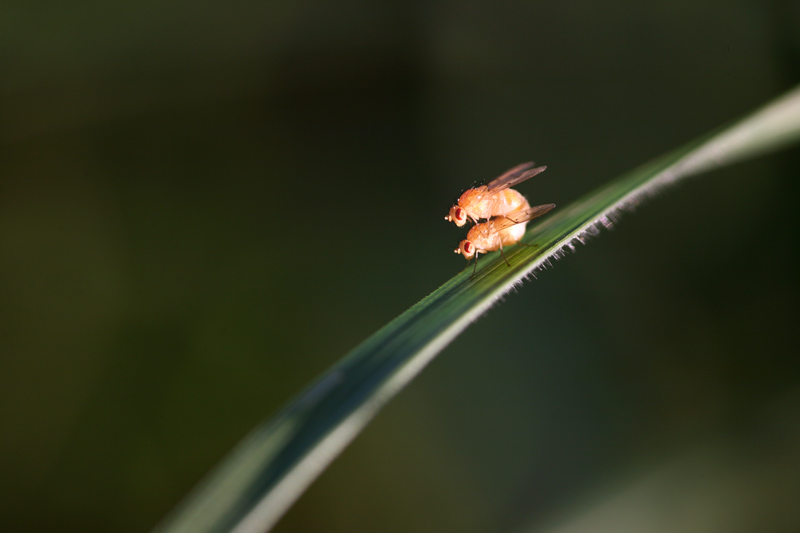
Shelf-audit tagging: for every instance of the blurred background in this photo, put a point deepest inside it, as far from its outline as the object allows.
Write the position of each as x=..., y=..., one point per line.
x=205, y=205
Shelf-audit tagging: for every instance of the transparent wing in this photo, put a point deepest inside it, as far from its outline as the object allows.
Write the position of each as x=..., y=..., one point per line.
x=522, y=216
x=516, y=175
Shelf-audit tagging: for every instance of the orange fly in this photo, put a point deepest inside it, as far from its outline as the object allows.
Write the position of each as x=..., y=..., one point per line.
x=498, y=232
x=494, y=199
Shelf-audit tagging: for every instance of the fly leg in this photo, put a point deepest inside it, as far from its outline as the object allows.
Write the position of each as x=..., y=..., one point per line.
x=504, y=255
x=475, y=268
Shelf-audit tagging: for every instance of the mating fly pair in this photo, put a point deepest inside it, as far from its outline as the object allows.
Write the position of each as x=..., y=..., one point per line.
x=505, y=211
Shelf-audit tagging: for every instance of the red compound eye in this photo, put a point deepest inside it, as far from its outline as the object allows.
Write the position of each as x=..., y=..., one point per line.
x=461, y=214
x=468, y=247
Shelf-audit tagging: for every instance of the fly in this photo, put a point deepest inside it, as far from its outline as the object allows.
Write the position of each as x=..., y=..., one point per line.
x=498, y=232
x=494, y=199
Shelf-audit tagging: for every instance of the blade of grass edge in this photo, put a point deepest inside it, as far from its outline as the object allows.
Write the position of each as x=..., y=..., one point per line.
x=263, y=476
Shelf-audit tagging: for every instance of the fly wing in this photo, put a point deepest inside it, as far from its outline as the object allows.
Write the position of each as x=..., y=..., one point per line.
x=498, y=224
x=527, y=214
x=516, y=175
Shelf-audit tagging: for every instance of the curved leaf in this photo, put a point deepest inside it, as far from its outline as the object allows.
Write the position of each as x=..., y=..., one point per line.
x=269, y=470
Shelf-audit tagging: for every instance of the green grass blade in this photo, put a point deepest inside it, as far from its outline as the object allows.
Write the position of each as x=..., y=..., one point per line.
x=269, y=470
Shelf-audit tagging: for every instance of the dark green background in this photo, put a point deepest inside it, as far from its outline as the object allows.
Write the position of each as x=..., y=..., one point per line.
x=204, y=205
